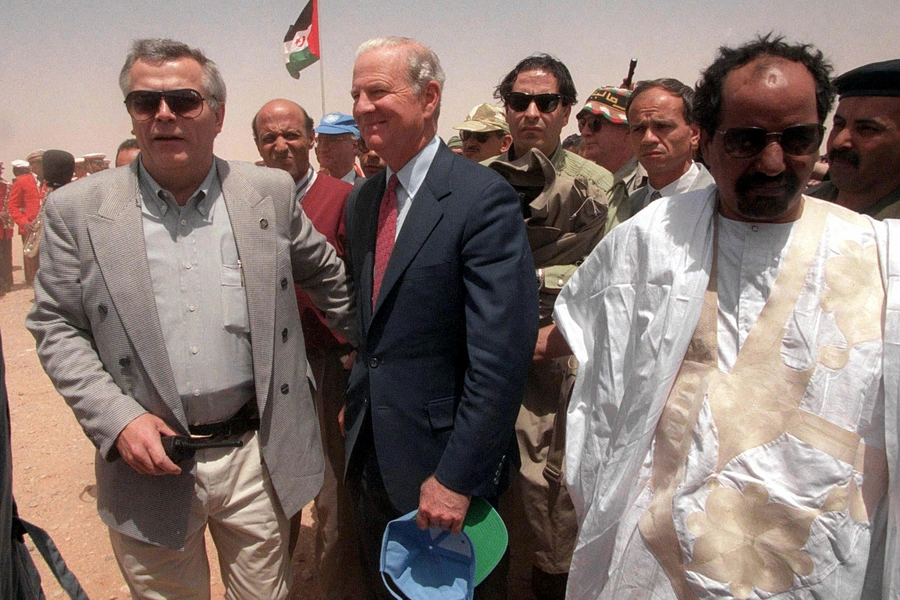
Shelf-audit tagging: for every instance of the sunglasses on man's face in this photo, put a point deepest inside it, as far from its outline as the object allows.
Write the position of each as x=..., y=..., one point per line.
x=479, y=136
x=546, y=103
x=796, y=140
x=143, y=105
x=593, y=122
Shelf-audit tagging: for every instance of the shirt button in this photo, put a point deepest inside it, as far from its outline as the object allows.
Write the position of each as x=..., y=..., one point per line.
x=192, y=308
x=285, y=388
x=373, y=363
x=183, y=222
x=187, y=266
x=196, y=393
x=754, y=228
x=194, y=350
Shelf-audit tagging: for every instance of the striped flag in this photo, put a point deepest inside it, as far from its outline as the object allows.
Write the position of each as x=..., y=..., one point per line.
x=301, y=42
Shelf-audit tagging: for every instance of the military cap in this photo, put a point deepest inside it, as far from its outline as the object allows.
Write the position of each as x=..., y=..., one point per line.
x=874, y=79
x=454, y=142
x=609, y=102
x=484, y=117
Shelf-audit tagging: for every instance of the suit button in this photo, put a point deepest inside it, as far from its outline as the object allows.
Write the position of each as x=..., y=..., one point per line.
x=124, y=361
x=284, y=283
x=263, y=224
x=285, y=388
x=284, y=335
x=103, y=309
x=373, y=363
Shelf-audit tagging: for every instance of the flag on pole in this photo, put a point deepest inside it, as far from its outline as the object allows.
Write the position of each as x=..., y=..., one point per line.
x=301, y=42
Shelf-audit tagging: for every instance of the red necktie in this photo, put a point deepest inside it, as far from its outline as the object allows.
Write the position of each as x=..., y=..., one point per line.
x=387, y=231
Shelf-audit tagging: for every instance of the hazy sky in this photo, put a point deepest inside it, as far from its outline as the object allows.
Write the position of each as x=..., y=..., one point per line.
x=61, y=59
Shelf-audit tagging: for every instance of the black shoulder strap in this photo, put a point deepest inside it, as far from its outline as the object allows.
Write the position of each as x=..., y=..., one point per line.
x=54, y=559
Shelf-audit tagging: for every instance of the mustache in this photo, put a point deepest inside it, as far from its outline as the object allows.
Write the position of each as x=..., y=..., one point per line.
x=845, y=154
x=747, y=182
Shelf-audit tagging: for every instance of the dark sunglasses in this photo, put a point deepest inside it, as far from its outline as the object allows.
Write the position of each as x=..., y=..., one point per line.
x=480, y=136
x=519, y=102
x=144, y=104
x=797, y=140
x=594, y=122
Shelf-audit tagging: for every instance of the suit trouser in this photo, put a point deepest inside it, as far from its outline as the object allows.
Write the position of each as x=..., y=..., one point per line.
x=336, y=545
x=374, y=510
x=235, y=498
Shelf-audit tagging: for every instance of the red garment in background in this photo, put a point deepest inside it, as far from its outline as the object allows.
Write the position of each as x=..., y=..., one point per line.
x=324, y=205
x=24, y=201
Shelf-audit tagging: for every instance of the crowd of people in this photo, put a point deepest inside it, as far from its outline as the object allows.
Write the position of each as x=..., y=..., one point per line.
x=669, y=362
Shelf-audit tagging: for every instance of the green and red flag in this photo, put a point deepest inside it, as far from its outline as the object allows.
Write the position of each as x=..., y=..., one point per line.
x=301, y=42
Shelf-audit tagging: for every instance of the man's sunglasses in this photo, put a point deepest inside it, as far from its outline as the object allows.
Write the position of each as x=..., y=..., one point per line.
x=480, y=136
x=519, y=102
x=143, y=105
x=594, y=122
x=797, y=140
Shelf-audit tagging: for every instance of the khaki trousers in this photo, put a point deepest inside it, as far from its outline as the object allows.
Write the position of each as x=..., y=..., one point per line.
x=234, y=497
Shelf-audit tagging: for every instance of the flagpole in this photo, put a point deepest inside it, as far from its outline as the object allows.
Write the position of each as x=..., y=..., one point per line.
x=322, y=81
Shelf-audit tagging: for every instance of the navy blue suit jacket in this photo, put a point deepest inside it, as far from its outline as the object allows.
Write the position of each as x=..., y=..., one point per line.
x=443, y=357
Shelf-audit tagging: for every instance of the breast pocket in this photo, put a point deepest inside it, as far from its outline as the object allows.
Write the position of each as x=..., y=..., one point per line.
x=235, y=316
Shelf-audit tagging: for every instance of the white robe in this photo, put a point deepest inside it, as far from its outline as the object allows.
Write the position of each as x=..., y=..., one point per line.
x=628, y=315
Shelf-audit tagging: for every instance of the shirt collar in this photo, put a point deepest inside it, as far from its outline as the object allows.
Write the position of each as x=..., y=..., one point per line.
x=202, y=197
x=680, y=185
x=306, y=182
x=412, y=174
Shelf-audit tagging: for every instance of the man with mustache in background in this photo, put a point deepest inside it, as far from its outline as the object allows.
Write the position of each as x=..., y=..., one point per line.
x=864, y=144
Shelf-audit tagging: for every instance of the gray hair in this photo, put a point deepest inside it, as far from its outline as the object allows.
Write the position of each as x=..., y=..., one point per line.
x=423, y=64
x=158, y=50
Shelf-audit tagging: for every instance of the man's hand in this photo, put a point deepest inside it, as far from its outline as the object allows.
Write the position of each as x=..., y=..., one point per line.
x=550, y=344
x=29, y=227
x=441, y=507
x=140, y=446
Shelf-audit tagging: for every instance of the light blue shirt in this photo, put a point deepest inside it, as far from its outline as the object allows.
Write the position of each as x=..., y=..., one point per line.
x=411, y=177
x=198, y=284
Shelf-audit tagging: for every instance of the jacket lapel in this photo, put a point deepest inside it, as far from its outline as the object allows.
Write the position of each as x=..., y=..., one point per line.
x=117, y=237
x=423, y=216
x=255, y=231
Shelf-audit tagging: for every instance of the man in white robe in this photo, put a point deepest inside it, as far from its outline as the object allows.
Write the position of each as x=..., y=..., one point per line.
x=739, y=368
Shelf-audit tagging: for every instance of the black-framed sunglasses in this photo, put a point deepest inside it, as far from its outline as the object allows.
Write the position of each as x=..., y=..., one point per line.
x=519, y=101
x=480, y=136
x=592, y=121
x=143, y=105
x=797, y=140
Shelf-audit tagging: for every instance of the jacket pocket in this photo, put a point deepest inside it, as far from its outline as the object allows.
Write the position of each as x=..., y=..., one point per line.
x=441, y=413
